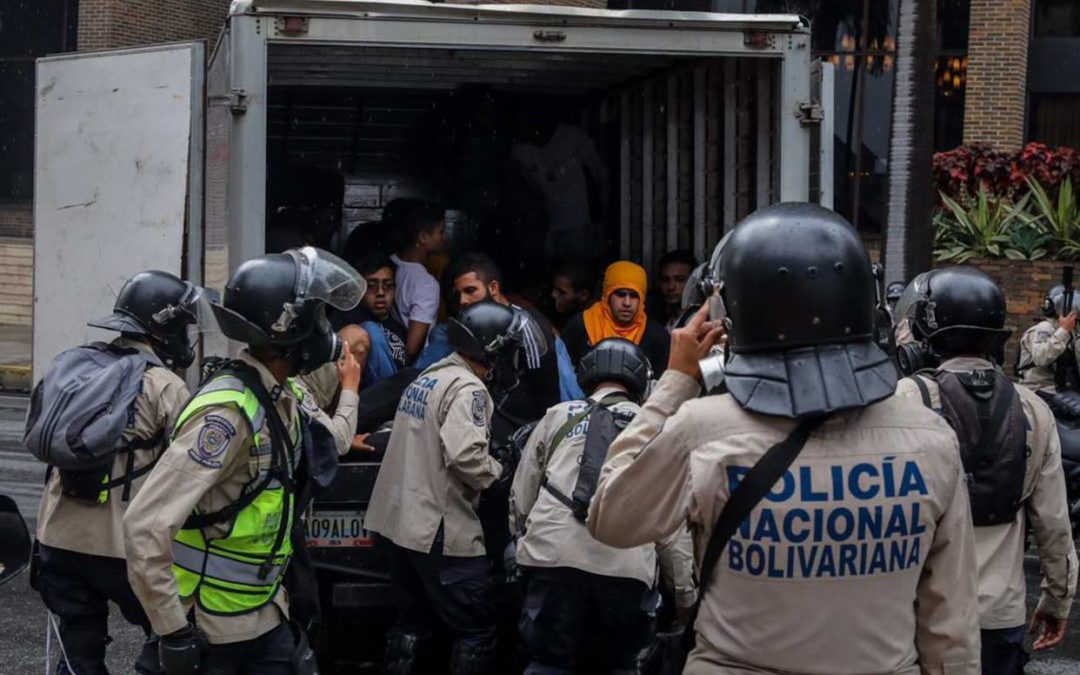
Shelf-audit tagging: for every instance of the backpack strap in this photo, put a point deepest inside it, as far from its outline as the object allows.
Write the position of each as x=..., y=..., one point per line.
x=131, y=473
x=997, y=420
x=564, y=431
x=753, y=488
x=278, y=454
x=924, y=391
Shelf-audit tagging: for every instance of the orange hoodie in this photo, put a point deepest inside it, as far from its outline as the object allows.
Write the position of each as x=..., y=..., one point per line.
x=599, y=322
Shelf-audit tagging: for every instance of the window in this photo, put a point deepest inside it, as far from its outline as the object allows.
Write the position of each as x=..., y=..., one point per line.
x=28, y=29
x=1055, y=119
x=1057, y=18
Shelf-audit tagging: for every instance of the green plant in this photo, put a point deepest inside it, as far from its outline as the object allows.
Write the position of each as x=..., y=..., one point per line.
x=977, y=227
x=1059, y=219
x=1027, y=242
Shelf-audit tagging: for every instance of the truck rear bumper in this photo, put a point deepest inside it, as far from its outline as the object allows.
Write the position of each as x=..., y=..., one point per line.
x=361, y=595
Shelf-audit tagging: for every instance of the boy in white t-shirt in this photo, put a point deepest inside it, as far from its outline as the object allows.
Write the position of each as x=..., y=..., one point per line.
x=421, y=227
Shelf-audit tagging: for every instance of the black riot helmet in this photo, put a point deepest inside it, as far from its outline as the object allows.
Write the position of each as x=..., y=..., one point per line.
x=279, y=300
x=798, y=299
x=615, y=360
x=494, y=335
x=161, y=308
x=893, y=292
x=959, y=310
x=15, y=544
x=1054, y=303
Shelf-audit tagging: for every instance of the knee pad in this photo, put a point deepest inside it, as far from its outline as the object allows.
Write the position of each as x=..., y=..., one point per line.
x=473, y=658
x=402, y=653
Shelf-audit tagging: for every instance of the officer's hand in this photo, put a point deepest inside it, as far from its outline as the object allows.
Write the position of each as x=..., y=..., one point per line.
x=181, y=653
x=1068, y=323
x=360, y=444
x=692, y=342
x=349, y=371
x=1050, y=629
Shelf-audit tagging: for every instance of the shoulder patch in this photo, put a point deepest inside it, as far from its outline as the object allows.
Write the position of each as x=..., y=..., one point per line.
x=214, y=438
x=479, y=408
x=1043, y=335
x=307, y=401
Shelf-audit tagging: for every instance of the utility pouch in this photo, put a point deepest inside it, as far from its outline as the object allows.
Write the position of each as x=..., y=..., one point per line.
x=87, y=485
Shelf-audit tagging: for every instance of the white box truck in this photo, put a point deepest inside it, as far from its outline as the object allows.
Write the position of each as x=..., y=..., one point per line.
x=321, y=110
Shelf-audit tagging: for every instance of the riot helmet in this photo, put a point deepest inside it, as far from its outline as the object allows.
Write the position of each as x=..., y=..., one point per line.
x=615, y=360
x=1054, y=303
x=893, y=292
x=494, y=335
x=161, y=308
x=959, y=310
x=796, y=292
x=15, y=543
x=279, y=300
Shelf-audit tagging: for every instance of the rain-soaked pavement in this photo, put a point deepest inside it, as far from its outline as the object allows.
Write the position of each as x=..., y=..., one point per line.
x=23, y=638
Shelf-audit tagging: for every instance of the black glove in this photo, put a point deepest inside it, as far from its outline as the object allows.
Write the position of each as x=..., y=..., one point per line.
x=182, y=652
x=507, y=456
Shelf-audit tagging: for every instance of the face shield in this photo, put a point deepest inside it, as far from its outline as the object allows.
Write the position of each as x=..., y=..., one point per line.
x=915, y=290
x=324, y=276
x=321, y=279
x=181, y=326
x=520, y=347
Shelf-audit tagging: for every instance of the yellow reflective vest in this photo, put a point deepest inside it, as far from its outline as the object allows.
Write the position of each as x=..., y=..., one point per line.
x=243, y=571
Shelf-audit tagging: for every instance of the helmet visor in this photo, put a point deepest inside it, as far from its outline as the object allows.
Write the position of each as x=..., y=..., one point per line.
x=326, y=277
x=529, y=337
x=914, y=290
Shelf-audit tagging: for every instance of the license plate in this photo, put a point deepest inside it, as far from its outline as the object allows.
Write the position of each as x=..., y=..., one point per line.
x=338, y=529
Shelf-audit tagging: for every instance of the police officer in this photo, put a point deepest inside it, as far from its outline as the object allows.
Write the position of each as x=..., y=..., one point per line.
x=81, y=541
x=587, y=604
x=858, y=558
x=1046, y=342
x=207, y=538
x=425, y=497
x=960, y=319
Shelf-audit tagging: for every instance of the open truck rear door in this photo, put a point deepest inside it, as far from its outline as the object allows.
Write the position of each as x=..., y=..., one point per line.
x=819, y=115
x=117, y=182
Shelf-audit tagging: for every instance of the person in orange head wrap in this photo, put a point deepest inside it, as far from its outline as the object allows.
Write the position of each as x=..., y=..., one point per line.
x=620, y=312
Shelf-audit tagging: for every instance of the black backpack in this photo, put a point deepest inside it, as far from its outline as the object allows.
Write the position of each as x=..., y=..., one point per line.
x=984, y=410
x=604, y=425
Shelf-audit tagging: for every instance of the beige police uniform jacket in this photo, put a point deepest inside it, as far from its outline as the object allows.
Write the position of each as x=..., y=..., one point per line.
x=858, y=561
x=208, y=472
x=97, y=529
x=323, y=384
x=999, y=549
x=436, y=463
x=553, y=537
x=1040, y=347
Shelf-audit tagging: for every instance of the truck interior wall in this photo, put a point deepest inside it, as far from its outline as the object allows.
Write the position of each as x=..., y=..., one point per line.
x=689, y=162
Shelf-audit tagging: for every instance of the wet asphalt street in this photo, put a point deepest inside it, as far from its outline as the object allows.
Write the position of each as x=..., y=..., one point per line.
x=23, y=618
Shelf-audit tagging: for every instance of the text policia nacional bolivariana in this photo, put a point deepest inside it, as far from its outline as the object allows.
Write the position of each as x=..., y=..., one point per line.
x=834, y=521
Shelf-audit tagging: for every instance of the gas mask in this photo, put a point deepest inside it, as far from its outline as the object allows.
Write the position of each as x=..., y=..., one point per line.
x=911, y=357
x=175, y=328
x=175, y=351
x=505, y=375
x=320, y=346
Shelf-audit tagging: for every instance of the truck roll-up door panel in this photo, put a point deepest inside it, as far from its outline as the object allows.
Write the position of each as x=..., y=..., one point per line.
x=118, y=182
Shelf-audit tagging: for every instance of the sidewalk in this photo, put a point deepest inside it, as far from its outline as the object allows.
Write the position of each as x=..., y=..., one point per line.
x=15, y=344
